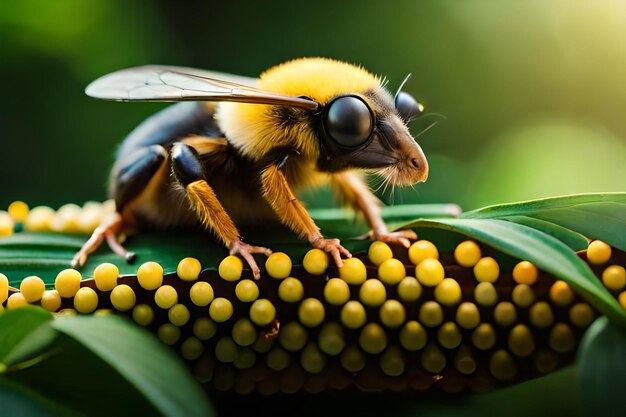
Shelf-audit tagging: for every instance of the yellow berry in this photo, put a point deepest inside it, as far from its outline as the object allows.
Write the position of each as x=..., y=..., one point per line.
x=191, y=349
x=86, y=300
x=485, y=294
x=67, y=312
x=392, y=314
x=622, y=299
x=331, y=339
x=6, y=224
x=244, y=333
x=353, y=315
x=353, y=271
x=484, y=336
x=409, y=289
x=311, y=312
x=540, y=315
x=464, y=361
x=291, y=290
x=230, y=268
x=525, y=273
x=561, y=338
x=293, y=336
x=247, y=291
x=262, y=312
x=278, y=265
x=51, y=300
x=505, y=314
x=449, y=335
x=165, y=297
x=502, y=366
x=143, y=314
x=39, y=219
x=105, y=275
x=226, y=350
x=312, y=360
x=315, y=262
x=32, y=288
x=430, y=314
x=581, y=315
x=201, y=293
x=373, y=338
x=123, y=297
x=188, y=269
x=277, y=359
x=178, y=315
x=598, y=252
x=204, y=328
x=18, y=210
x=523, y=295
x=336, y=291
x=16, y=300
x=391, y=271
x=372, y=293
x=168, y=333
x=432, y=359
x=392, y=361
x=220, y=310
x=413, y=336
x=521, y=341
x=429, y=272
x=4, y=288
x=561, y=294
x=352, y=359
x=67, y=282
x=487, y=270
x=467, y=253
x=467, y=315
x=150, y=276
x=448, y=292
x=379, y=252
x=66, y=219
x=421, y=250
x=614, y=277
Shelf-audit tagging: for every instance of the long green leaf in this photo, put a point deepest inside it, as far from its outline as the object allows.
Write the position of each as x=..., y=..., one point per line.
x=23, y=333
x=17, y=400
x=602, y=369
x=142, y=360
x=545, y=251
x=597, y=216
x=574, y=240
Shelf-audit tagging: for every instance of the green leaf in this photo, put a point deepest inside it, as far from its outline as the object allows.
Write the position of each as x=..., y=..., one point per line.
x=16, y=400
x=546, y=252
x=23, y=333
x=142, y=360
x=45, y=254
x=597, y=216
x=575, y=241
x=602, y=369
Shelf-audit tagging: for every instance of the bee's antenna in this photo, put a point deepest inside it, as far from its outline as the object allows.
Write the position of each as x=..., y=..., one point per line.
x=402, y=84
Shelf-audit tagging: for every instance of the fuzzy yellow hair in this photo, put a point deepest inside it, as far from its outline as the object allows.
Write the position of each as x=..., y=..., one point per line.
x=250, y=128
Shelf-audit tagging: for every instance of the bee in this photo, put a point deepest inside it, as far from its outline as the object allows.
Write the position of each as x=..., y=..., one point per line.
x=237, y=150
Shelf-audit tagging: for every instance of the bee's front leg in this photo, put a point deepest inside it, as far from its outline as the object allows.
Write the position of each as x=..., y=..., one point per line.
x=292, y=213
x=188, y=171
x=354, y=190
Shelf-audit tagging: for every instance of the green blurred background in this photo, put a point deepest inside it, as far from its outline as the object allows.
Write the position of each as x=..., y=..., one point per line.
x=532, y=93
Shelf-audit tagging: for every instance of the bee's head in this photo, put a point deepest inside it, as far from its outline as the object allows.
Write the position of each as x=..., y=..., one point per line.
x=358, y=124
x=369, y=131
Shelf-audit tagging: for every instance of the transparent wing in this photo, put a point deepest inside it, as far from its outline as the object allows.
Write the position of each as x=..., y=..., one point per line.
x=169, y=83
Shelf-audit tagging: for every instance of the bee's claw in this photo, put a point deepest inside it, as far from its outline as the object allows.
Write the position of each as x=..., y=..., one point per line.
x=401, y=237
x=237, y=247
x=333, y=247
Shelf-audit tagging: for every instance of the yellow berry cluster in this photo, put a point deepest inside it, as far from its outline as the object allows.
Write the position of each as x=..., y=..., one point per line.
x=396, y=319
x=69, y=218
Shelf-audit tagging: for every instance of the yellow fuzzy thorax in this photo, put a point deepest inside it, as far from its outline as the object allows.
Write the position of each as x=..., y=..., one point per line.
x=252, y=130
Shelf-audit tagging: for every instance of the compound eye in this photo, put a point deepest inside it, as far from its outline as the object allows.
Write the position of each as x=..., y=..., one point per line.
x=349, y=121
x=407, y=107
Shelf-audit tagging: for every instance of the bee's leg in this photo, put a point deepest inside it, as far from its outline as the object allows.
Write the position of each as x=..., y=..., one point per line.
x=293, y=214
x=354, y=191
x=188, y=171
x=131, y=178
